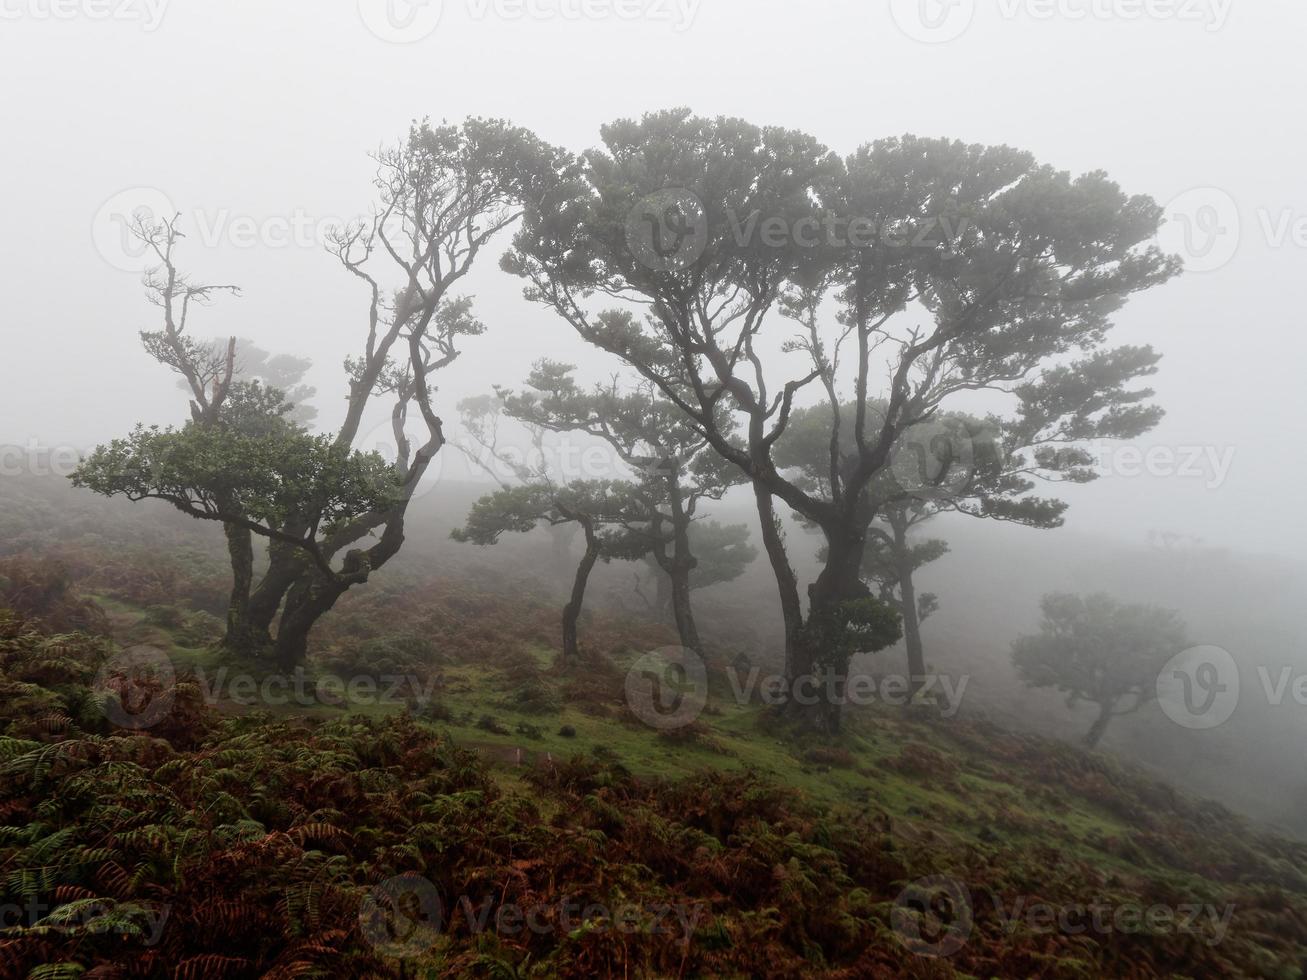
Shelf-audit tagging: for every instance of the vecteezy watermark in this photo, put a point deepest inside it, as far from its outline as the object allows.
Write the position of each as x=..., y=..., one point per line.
x=404, y=917
x=1206, y=227
x=39, y=459
x=1203, y=226
x=563, y=457
x=401, y=21
x=145, y=920
x=932, y=917
x=148, y=13
x=136, y=687
x=1211, y=464
x=407, y=21
x=113, y=229
x=668, y=688
x=669, y=230
x=1205, y=921
x=1198, y=688
x=301, y=689
x=939, y=21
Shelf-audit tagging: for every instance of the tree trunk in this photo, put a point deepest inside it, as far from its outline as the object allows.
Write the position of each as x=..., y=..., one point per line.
x=285, y=565
x=682, y=563
x=240, y=549
x=1095, y=733
x=820, y=650
x=663, y=592
x=908, y=606
x=786, y=582
x=572, y=611
x=686, y=628
x=305, y=605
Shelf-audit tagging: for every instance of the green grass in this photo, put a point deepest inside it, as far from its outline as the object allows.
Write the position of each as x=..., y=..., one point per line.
x=956, y=807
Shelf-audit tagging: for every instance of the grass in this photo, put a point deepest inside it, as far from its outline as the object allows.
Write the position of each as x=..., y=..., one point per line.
x=958, y=806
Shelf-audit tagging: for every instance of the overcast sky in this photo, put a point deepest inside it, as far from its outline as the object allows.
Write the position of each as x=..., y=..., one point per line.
x=255, y=120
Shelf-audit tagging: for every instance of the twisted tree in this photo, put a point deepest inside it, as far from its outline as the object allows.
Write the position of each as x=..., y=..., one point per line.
x=954, y=268
x=443, y=194
x=675, y=469
x=610, y=513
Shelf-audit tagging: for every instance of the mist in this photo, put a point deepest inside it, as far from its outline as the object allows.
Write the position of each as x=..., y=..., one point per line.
x=483, y=412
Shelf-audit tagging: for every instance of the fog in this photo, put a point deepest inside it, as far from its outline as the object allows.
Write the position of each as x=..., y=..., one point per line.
x=259, y=126
x=254, y=119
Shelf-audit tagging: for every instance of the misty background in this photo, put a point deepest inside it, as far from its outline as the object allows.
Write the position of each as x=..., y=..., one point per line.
x=255, y=122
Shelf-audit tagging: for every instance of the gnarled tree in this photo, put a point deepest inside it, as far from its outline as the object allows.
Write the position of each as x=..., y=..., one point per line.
x=443, y=194
x=954, y=268
x=610, y=513
x=676, y=470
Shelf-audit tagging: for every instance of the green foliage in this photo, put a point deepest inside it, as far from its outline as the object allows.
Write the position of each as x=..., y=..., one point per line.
x=221, y=473
x=612, y=506
x=865, y=625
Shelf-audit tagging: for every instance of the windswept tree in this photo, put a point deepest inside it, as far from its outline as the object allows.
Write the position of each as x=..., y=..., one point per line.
x=444, y=192
x=952, y=268
x=1096, y=649
x=674, y=469
x=984, y=468
x=610, y=513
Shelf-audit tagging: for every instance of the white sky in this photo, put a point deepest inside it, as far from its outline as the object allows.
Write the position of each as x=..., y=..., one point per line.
x=255, y=113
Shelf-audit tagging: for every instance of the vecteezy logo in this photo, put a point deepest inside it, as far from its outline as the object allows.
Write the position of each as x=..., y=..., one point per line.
x=667, y=231
x=400, y=21
x=1203, y=227
x=932, y=460
x=136, y=687
x=933, y=21
x=113, y=229
x=402, y=917
x=1199, y=687
x=932, y=916
x=667, y=688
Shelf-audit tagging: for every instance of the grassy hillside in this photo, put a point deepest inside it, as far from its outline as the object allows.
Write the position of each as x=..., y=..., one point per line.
x=446, y=802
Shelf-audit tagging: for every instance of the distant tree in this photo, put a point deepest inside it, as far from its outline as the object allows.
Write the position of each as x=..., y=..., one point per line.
x=444, y=192
x=283, y=372
x=722, y=552
x=508, y=462
x=610, y=513
x=674, y=469
x=1099, y=650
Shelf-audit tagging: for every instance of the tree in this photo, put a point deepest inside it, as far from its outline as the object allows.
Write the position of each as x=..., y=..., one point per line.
x=675, y=469
x=607, y=511
x=444, y=192
x=722, y=552
x=704, y=224
x=983, y=468
x=1099, y=650
x=283, y=372
x=509, y=464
